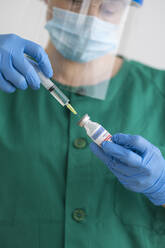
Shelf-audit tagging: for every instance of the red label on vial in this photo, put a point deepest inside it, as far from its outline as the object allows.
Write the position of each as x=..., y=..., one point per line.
x=108, y=138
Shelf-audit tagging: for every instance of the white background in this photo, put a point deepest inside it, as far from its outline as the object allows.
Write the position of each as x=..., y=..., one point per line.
x=143, y=39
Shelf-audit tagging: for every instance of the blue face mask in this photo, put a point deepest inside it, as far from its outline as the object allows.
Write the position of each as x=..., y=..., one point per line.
x=81, y=38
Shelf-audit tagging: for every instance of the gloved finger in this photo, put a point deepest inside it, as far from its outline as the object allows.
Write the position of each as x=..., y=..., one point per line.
x=27, y=70
x=113, y=164
x=107, y=160
x=133, y=142
x=126, y=156
x=38, y=53
x=6, y=86
x=125, y=170
x=124, y=178
x=119, y=170
x=13, y=76
x=133, y=183
x=101, y=154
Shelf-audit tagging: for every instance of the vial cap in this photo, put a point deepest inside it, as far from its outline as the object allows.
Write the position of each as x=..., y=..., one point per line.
x=85, y=118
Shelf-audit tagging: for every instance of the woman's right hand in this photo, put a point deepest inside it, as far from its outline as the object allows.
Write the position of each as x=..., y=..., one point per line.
x=15, y=70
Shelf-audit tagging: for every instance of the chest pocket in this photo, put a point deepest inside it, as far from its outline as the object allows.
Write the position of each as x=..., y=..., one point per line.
x=135, y=209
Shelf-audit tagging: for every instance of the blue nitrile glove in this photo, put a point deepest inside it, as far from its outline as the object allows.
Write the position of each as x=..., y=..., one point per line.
x=15, y=70
x=137, y=164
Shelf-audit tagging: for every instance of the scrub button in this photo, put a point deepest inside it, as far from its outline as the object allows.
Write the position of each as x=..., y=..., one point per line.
x=79, y=215
x=80, y=143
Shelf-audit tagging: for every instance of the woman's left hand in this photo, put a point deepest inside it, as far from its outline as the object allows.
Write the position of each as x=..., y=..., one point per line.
x=137, y=164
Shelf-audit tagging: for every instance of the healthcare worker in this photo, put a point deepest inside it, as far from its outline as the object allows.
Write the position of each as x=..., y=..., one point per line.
x=54, y=192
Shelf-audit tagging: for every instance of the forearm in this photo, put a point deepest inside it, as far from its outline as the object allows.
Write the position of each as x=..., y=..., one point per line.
x=163, y=205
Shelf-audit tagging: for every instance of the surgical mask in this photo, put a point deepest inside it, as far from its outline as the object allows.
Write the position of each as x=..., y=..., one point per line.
x=81, y=38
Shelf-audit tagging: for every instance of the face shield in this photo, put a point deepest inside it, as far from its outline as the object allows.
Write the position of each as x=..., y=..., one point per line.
x=81, y=38
x=84, y=37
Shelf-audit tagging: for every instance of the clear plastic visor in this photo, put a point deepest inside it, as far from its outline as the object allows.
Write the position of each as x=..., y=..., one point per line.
x=84, y=37
x=81, y=38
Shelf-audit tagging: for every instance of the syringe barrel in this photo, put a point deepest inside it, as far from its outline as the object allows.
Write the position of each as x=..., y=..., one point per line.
x=53, y=89
x=49, y=85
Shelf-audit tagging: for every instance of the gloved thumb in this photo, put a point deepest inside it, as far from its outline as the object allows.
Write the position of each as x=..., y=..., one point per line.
x=133, y=142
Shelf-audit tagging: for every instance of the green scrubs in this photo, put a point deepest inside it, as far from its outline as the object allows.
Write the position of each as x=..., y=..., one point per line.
x=54, y=192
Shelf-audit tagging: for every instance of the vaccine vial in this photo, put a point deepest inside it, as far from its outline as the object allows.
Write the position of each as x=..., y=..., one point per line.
x=94, y=130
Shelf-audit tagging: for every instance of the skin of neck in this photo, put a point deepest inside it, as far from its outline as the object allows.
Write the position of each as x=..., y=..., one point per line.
x=76, y=74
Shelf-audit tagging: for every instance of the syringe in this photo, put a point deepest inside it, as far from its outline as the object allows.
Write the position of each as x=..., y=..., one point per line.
x=52, y=88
